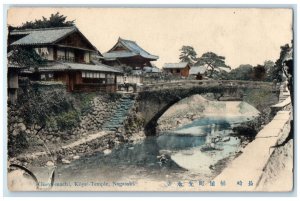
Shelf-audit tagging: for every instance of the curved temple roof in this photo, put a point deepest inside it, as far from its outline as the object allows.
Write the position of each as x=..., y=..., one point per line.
x=133, y=49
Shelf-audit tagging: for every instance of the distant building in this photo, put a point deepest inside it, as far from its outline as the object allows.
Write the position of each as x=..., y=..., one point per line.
x=198, y=72
x=151, y=70
x=179, y=69
x=69, y=58
x=127, y=53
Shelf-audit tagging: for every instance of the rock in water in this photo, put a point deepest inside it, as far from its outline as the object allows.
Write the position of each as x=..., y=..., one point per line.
x=107, y=151
x=50, y=164
x=76, y=157
x=65, y=161
x=226, y=139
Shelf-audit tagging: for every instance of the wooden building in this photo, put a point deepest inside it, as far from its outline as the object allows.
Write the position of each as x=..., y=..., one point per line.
x=69, y=58
x=127, y=53
x=178, y=69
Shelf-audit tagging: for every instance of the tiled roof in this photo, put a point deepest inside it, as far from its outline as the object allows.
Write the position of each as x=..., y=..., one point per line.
x=41, y=36
x=197, y=69
x=76, y=66
x=133, y=50
x=175, y=65
x=118, y=54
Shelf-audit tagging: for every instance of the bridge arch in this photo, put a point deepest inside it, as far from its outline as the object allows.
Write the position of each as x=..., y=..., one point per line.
x=153, y=104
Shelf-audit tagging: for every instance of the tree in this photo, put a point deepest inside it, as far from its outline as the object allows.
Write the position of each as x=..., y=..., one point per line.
x=212, y=62
x=276, y=73
x=285, y=64
x=55, y=20
x=259, y=73
x=270, y=69
x=188, y=54
x=25, y=57
x=243, y=72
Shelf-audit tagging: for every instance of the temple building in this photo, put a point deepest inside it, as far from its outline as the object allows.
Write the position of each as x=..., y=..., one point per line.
x=127, y=53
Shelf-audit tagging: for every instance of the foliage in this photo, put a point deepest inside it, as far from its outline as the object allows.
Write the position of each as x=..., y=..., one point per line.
x=25, y=57
x=16, y=144
x=243, y=72
x=259, y=73
x=188, y=54
x=55, y=20
x=67, y=120
x=277, y=72
x=270, y=70
x=212, y=61
x=38, y=106
x=260, y=98
x=83, y=102
x=286, y=62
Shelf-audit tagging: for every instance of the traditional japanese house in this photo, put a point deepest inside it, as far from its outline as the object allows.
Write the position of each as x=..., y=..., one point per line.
x=69, y=58
x=178, y=69
x=127, y=53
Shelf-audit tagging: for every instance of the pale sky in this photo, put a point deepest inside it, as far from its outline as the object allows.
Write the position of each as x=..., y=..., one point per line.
x=243, y=36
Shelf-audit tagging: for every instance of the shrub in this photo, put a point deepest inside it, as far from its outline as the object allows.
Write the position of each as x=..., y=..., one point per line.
x=67, y=120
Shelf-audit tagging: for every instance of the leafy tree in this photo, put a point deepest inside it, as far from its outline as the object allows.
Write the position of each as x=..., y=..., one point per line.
x=212, y=61
x=268, y=64
x=285, y=64
x=25, y=57
x=259, y=73
x=243, y=72
x=188, y=54
x=276, y=72
x=55, y=20
x=270, y=68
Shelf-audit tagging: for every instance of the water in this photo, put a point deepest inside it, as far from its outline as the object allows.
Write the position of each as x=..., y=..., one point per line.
x=171, y=155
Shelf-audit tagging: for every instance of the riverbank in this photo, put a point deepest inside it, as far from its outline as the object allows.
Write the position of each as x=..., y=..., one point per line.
x=256, y=166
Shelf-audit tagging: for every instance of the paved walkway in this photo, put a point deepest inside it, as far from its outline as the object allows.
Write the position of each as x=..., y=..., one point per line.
x=248, y=167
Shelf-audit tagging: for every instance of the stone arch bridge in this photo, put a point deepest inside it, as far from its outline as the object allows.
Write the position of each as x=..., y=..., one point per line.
x=153, y=100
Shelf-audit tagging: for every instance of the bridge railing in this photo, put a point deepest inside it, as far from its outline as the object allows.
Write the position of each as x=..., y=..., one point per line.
x=206, y=83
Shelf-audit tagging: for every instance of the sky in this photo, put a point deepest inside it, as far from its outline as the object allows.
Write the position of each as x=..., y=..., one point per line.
x=241, y=35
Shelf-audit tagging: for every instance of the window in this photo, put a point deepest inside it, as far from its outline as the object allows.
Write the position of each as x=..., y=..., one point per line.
x=178, y=71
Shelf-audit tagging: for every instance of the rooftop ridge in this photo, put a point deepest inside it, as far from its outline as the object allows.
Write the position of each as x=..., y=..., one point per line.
x=177, y=62
x=42, y=29
x=126, y=40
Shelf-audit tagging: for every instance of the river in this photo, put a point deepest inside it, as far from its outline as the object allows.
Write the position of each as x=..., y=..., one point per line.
x=190, y=151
